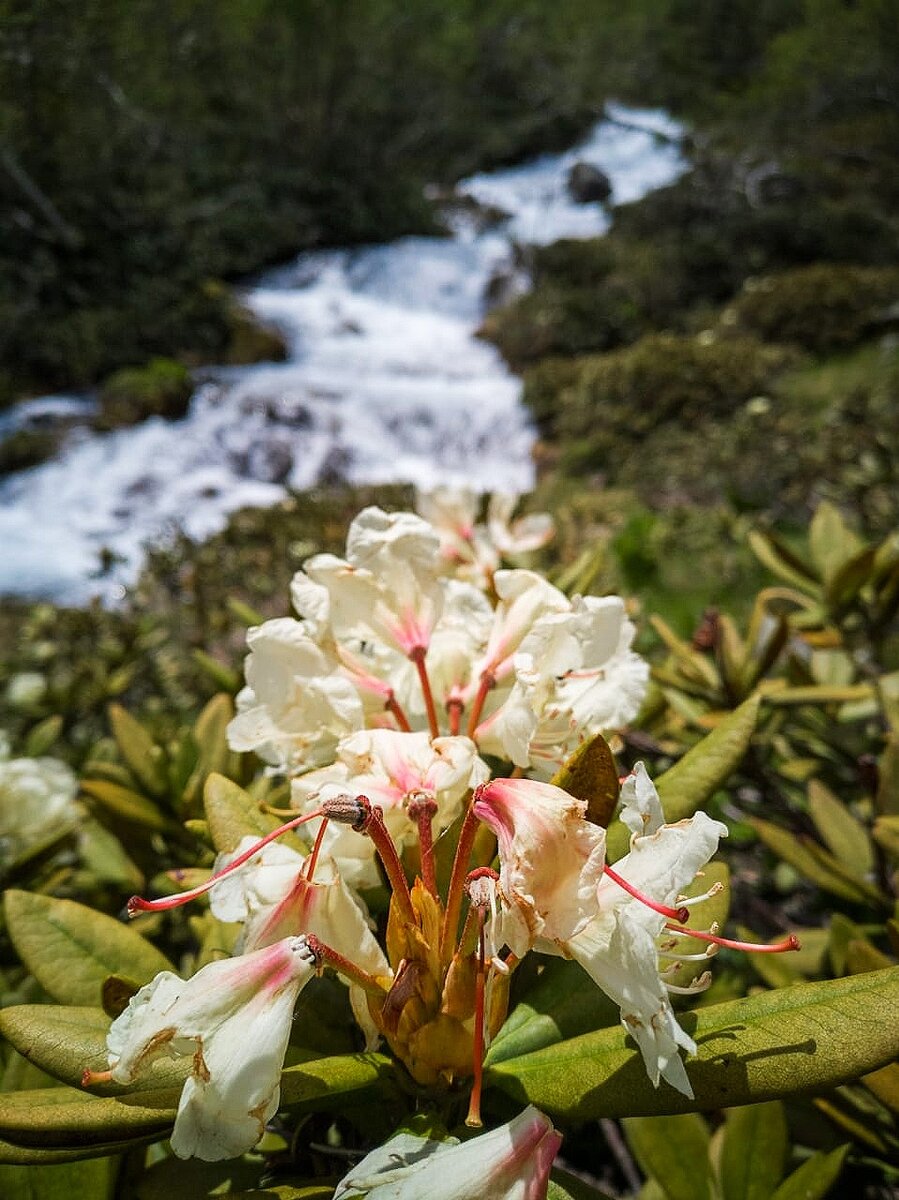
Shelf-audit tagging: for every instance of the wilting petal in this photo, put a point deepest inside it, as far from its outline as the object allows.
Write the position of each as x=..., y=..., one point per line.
x=551, y=859
x=233, y=1018
x=509, y=1163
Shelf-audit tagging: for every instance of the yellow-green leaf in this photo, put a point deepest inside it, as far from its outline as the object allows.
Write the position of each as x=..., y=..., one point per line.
x=775, y=1044
x=814, y=863
x=753, y=1152
x=674, y=1151
x=689, y=784
x=321, y=1078
x=125, y=803
x=94, y=1179
x=232, y=813
x=140, y=752
x=590, y=774
x=63, y=1117
x=777, y=557
x=846, y=837
x=814, y=1178
x=65, y=1040
x=72, y=949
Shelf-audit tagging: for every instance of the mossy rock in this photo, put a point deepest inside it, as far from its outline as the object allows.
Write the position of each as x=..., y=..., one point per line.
x=252, y=341
x=27, y=448
x=820, y=308
x=162, y=388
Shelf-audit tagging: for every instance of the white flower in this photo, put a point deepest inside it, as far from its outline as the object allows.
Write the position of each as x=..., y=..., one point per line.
x=233, y=1019
x=618, y=947
x=551, y=859
x=391, y=768
x=520, y=536
x=386, y=588
x=296, y=705
x=509, y=1163
x=556, y=898
x=37, y=796
x=272, y=896
x=575, y=675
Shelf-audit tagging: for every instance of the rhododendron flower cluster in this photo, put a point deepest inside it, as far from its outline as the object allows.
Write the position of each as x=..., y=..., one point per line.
x=418, y=716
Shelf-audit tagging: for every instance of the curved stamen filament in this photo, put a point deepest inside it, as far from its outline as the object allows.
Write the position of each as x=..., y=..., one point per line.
x=789, y=943
x=701, y=984
x=312, y=860
x=418, y=657
x=137, y=904
x=681, y=914
x=690, y=901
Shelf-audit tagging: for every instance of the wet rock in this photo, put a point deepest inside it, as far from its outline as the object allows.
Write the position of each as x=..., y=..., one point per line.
x=335, y=467
x=588, y=184
x=270, y=461
x=162, y=388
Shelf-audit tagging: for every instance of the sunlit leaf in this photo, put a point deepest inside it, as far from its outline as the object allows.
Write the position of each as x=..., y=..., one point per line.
x=767, y=1046
x=125, y=803
x=95, y=1180
x=232, y=813
x=72, y=949
x=590, y=774
x=143, y=756
x=62, y=1117
x=845, y=836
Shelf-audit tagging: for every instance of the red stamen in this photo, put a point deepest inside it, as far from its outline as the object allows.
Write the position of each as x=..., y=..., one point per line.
x=394, y=707
x=418, y=657
x=488, y=681
x=312, y=860
x=473, y=1120
x=680, y=915
x=137, y=904
x=789, y=943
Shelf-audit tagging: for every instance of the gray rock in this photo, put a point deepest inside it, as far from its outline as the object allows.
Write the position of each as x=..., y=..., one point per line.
x=588, y=184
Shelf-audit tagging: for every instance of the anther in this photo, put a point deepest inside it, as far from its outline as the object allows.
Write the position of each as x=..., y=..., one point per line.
x=702, y=984
x=681, y=914
x=354, y=811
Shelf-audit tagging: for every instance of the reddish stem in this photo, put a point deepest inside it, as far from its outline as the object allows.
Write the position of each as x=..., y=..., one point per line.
x=418, y=657
x=473, y=1120
x=312, y=860
x=456, y=889
x=422, y=809
x=396, y=876
x=454, y=708
x=680, y=915
x=329, y=957
x=137, y=904
x=394, y=707
x=488, y=681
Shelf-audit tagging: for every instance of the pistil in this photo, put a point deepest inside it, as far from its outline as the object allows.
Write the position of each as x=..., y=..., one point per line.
x=784, y=947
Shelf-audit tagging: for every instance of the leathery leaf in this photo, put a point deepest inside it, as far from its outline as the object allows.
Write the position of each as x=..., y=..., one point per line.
x=800, y=1039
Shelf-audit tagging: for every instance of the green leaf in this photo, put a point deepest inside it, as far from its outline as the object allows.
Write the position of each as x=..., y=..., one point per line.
x=690, y=783
x=177, y=1179
x=832, y=543
x=94, y=1179
x=814, y=1178
x=814, y=863
x=674, y=1151
x=804, y=1038
x=563, y=1003
x=780, y=560
x=43, y=735
x=590, y=774
x=60, y=1118
x=233, y=814
x=71, y=949
x=753, y=1152
x=125, y=803
x=140, y=752
x=323, y=1078
x=65, y=1040
x=564, y=1186
x=845, y=836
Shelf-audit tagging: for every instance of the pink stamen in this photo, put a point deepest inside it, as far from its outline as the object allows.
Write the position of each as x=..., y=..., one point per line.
x=681, y=915
x=312, y=860
x=789, y=943
x=138, y=905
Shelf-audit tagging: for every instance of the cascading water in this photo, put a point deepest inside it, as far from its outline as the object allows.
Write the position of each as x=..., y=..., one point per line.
x=385, y=381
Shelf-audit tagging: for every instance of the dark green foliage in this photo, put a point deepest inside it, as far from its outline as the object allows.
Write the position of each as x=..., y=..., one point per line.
x=617, y=399
x=160, y=389
x=820, y=308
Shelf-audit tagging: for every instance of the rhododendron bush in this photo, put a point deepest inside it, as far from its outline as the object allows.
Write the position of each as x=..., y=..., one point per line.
x=442, y=901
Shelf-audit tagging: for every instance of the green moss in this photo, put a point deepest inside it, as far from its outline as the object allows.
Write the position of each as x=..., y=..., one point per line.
x=820, y=308
x=162, y=388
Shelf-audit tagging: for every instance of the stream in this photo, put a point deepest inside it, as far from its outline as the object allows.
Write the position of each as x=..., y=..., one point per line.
x=385, y=381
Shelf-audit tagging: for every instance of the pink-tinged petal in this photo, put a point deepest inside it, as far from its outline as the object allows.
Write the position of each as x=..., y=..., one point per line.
x=551, y=858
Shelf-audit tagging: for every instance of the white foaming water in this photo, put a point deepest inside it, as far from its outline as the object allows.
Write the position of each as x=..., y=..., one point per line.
x=386, y=381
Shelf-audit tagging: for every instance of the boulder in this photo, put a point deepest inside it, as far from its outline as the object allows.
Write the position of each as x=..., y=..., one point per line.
x=588, y=184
